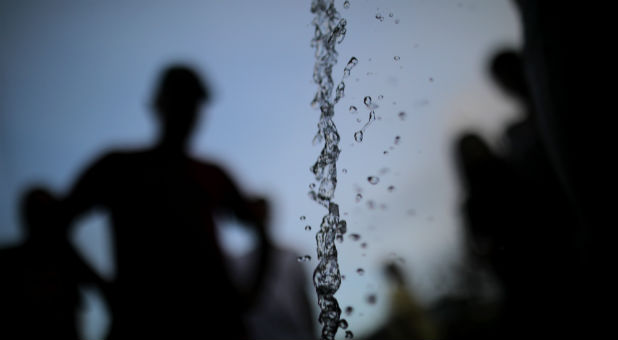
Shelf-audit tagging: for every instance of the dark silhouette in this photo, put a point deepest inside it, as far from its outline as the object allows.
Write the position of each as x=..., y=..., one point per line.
x=41, y=277
x=171, y=281
x=568, y=71
x=518, y=218
x=492, y=225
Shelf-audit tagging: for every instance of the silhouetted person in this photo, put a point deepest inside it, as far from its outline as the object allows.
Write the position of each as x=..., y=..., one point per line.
x=171, y=281
x=544, y=206
x=40, y=279
x=568, y=70
x=518, y=218
x=495, y=227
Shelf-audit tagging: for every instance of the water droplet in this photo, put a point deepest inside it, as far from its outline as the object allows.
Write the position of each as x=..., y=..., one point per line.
x=352, y=62
x=307, y=258
x=391, y=14
x=342, y=227
x=391, y=188
x=354, y=237
x=372, y=116
x=360, y=271
x=373, y=179
x=402, y=115
x=312, y=186
x=343, y=324
x=339, y=238
x=364, y=245
x=371, y=299
x=379, y=17
x=396, y=57
x=380, y=97
x=397, y=140
x=359, y=197
x=348, y=68
x=367, y=101
x=299, y=259
x=308, y=228
x=349, y=310
x=344, y=170
x=353, y=109
x=302, y=218
x=343, y=277
x=346, y=4
x=385, y=152
x=358, y=136
x=349, y=335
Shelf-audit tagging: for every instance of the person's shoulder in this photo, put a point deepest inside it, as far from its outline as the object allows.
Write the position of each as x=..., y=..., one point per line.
x=113, y=157
x=205, y=166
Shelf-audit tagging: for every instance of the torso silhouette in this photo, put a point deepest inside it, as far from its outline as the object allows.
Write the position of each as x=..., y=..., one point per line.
x=170, y=274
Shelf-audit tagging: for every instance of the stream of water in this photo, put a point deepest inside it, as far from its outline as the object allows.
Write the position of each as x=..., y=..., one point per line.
x=330, y=30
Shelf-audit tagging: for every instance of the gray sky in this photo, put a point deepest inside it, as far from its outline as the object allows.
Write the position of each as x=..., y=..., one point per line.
x=77, y=78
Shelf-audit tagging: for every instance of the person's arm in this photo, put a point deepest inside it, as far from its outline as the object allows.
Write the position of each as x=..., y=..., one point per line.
x=90, y=189
x=254, y=212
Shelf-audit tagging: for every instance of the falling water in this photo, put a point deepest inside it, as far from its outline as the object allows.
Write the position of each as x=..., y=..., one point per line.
x=330, y=30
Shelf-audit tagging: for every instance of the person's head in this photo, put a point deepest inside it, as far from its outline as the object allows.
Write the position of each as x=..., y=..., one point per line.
x=40, y=214
x=178, y=98
x=507, y=69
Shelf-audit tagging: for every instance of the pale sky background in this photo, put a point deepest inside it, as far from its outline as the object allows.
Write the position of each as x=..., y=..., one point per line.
x=77, y=77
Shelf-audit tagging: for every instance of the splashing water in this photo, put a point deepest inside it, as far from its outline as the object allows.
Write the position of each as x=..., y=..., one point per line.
x=358, y=135
x=330, y=30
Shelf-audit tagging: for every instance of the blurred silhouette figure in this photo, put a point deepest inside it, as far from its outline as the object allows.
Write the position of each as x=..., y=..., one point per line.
x=171, y=280
x=41, y=278
x=493, y=227
x=551, y=248
x=567, y=70
x=518, y=218
x=407, y=319
x=282, y=309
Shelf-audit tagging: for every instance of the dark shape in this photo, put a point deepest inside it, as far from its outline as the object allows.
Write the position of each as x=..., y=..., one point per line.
x=519, y=221
x=39, y=289
x=568, y=70
x=171, y=280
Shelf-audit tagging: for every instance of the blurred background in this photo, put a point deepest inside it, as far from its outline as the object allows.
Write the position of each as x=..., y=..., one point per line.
x=78, y=77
